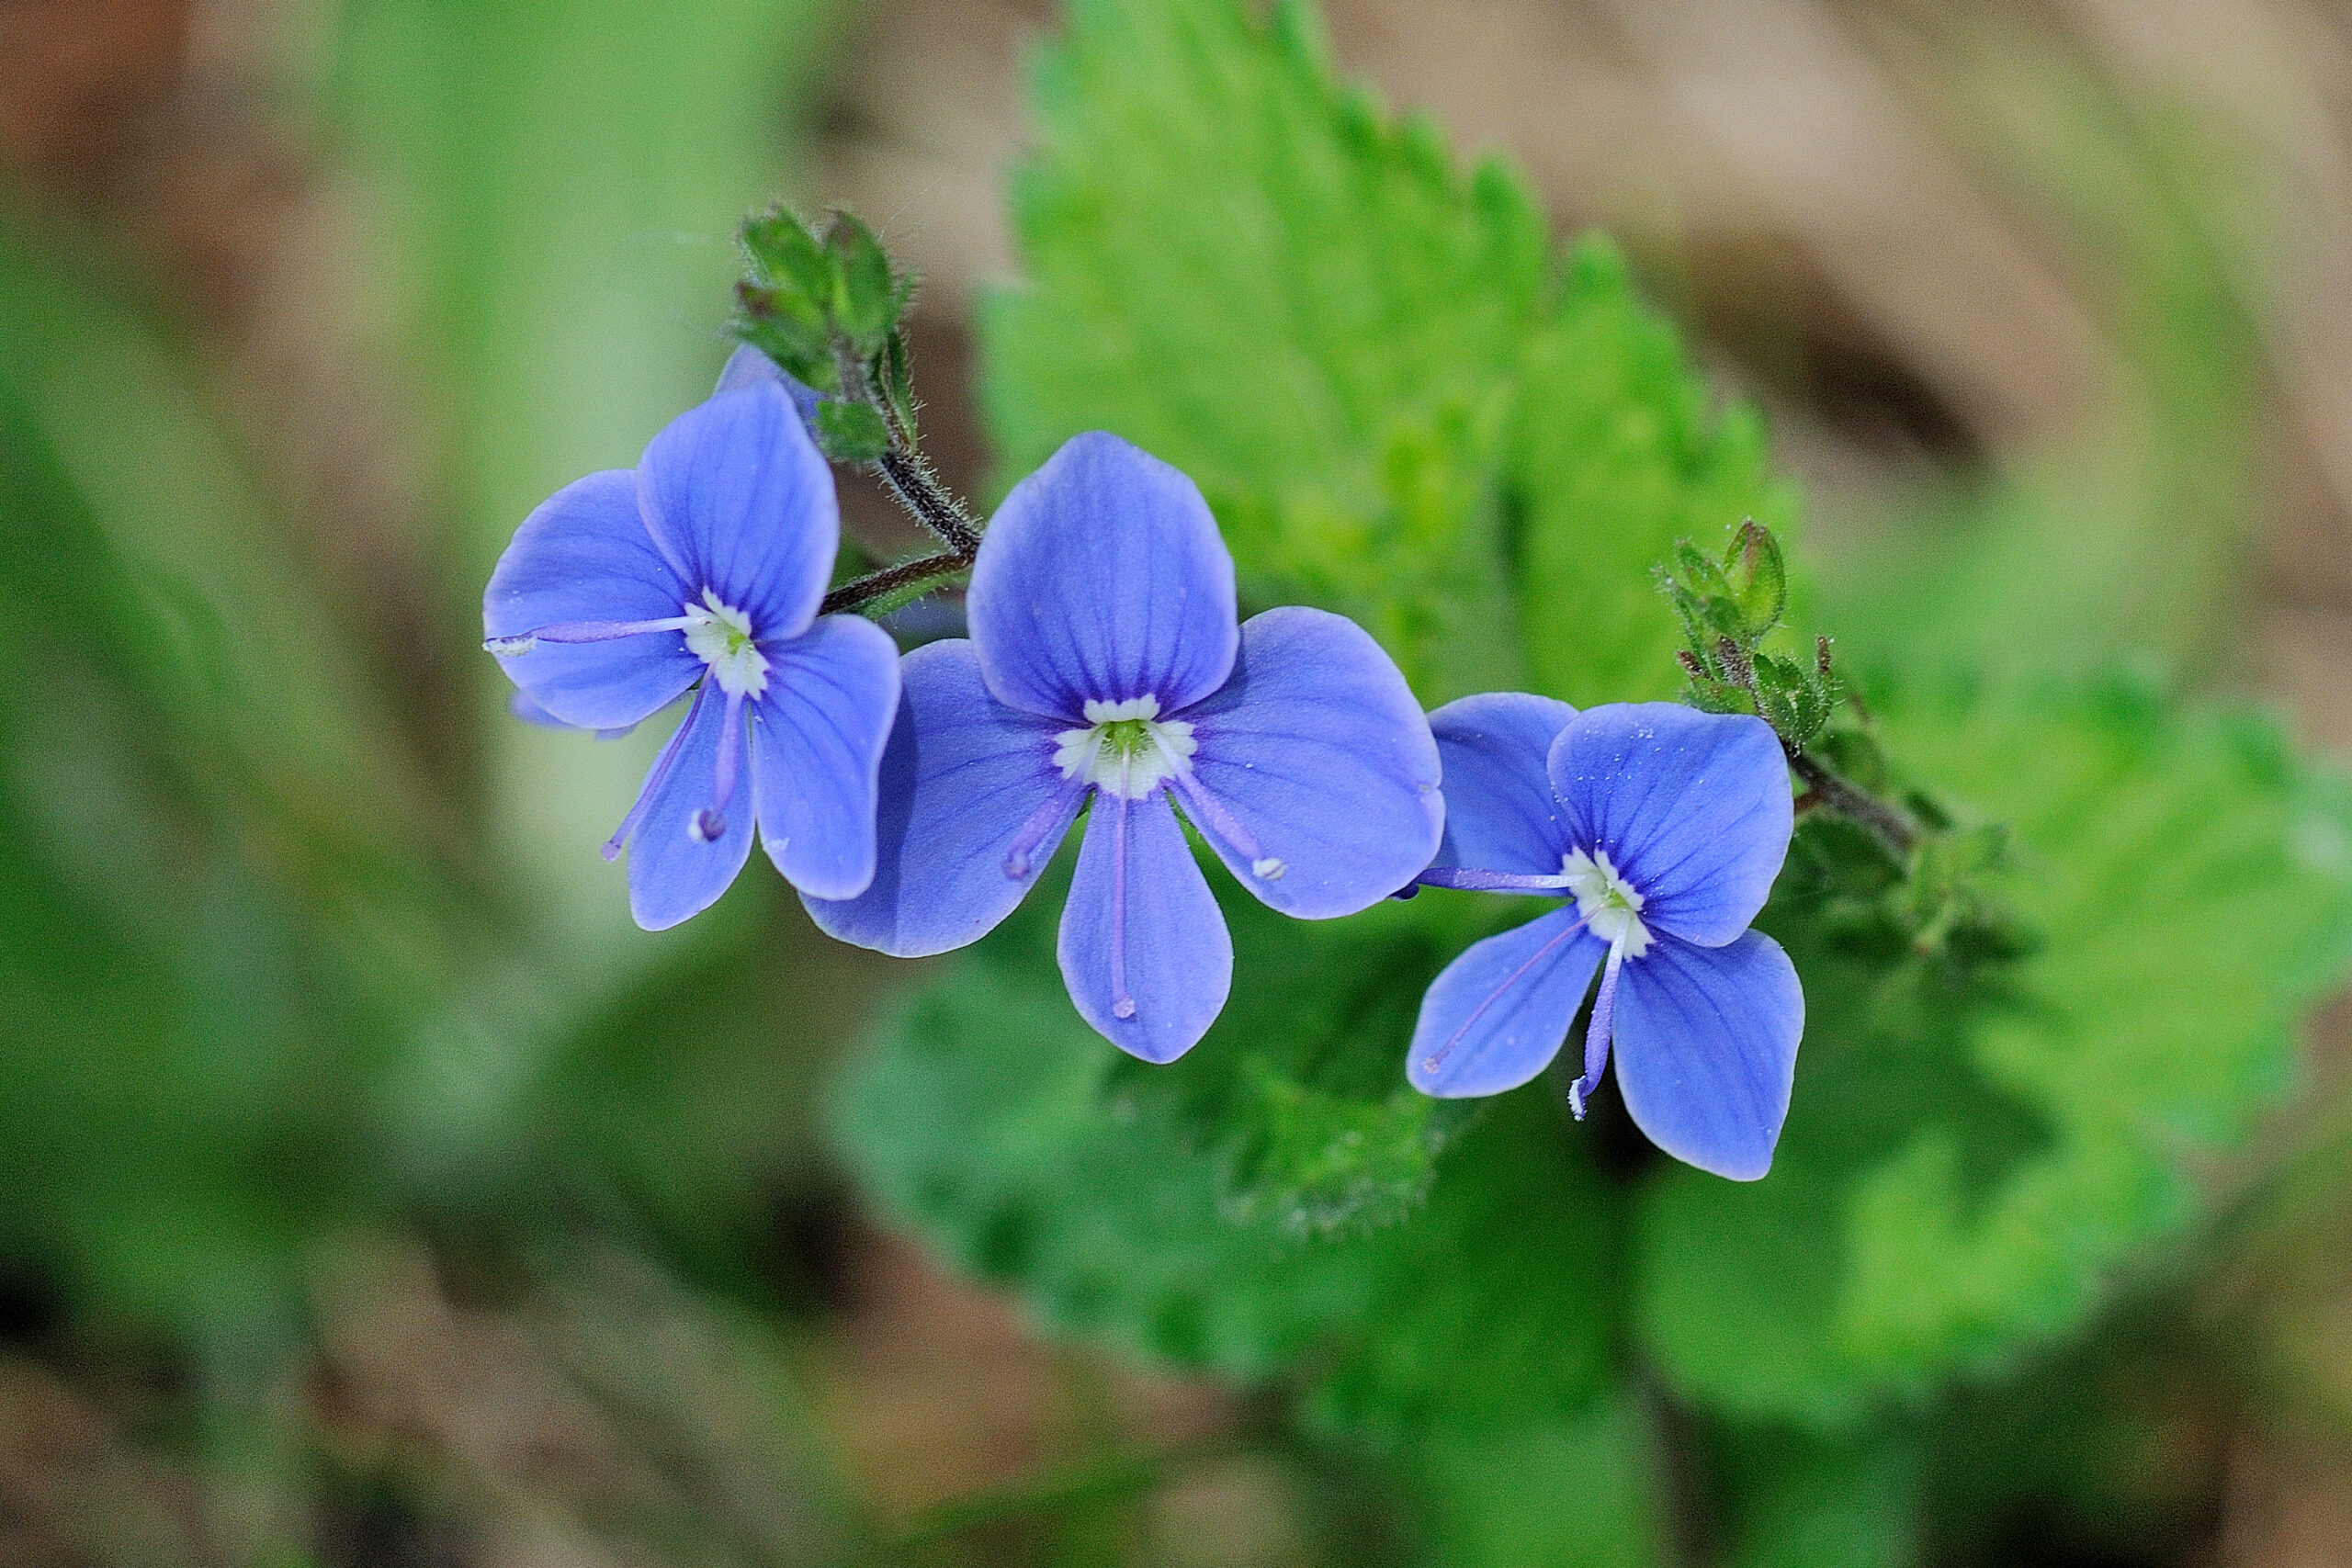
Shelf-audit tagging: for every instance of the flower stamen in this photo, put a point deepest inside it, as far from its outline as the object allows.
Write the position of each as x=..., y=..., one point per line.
x=1597, y=1034
x=580, y=631
x=1436, y=1058
x=1610, y=905
x=1206, y=809
x=1126, y=748
x=721, y=637
x=1021, y=856
x=709, y=824
x=653, y=781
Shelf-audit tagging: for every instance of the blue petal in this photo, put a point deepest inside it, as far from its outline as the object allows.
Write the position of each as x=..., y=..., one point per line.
x=817, y=739
x=672, y=875
x=584, y=556
x=1707, y=1050
x=1694, y=809
x=742, y=502
x=748, y=367
x=521, y=706
x=963, y=775
x=1315, y=756
x=1495, y=1017
x=1161, y=952
x=1500, y=814
x=1103, y=578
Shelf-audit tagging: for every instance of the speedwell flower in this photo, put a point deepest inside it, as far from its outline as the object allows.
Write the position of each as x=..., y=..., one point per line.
x=1104, y=664
x=1666, y=827
x=703, y=569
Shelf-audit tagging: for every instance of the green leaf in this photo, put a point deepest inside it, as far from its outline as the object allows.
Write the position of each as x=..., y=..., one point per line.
x=1363, y=355
x=897, y=381
x=1585, y=1492
x=1614, y=456
x=1167, y=1211
x=1759, y=578
x=1967, y=1165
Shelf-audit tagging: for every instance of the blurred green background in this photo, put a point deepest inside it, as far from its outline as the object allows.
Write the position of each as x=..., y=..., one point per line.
x=371, y=1192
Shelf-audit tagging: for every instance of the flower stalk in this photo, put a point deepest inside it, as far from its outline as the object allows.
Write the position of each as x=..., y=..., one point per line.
x=1729, y=608
x=1907, y=868
x=824, y=302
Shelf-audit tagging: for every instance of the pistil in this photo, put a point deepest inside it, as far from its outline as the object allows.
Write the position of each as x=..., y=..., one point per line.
x=1122, y=1004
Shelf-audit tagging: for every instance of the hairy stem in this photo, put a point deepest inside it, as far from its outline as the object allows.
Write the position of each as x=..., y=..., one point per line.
x=860, y=592
x=1826, y=789
x=911, y=480
x=928, y=500
x=918, y=488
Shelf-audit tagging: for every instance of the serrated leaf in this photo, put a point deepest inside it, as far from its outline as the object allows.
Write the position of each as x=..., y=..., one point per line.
x=1358, y=351
x=1025, y=1146
x=1964, y=1170
x=1615, y=452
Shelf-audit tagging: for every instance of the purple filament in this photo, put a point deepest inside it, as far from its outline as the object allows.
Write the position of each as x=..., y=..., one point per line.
x=1122, y=1004
x=654, y=780
x=1596, y=1036
x=1434, y=1059
x=1491, y=881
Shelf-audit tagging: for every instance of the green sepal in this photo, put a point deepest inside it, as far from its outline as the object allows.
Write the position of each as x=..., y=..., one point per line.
x=866, y=296
x=1758, y=580
x=787, y=258
x=851, y=433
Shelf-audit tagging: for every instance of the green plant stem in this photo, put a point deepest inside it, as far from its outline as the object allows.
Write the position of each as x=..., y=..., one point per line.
x=917, y=487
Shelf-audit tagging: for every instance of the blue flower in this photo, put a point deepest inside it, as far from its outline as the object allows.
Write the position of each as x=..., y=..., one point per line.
x=702, y=569
x=1104, y=664
x=1667, y=826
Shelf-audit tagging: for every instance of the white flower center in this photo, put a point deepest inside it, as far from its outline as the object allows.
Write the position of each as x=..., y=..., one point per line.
x=1126, y=748
x=1611, y=908
x=721, y=637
